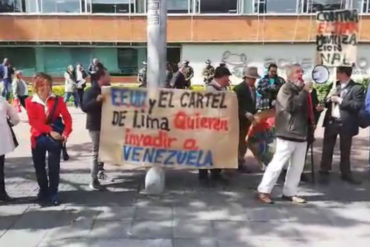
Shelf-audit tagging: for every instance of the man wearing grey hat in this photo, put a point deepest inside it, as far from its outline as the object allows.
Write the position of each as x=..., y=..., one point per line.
x=208, y=72
x=246, y=94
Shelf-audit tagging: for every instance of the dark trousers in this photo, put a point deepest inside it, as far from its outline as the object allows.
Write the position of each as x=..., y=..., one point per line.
x=330, y=137
x=22, y=100
x=2, y=182
x=48, y=183
x=243, y=131
x=80, y=92
x=203, y=173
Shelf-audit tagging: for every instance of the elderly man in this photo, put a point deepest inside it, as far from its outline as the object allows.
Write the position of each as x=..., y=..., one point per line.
x=220, y=82
x=246, y=94
x=292, y=121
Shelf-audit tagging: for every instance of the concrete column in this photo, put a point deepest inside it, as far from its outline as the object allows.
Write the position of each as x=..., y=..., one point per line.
x=156, y=74
x=157, y=43
x=39, y=57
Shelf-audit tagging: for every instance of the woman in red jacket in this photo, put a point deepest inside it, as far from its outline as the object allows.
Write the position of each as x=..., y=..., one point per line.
x=45, y=137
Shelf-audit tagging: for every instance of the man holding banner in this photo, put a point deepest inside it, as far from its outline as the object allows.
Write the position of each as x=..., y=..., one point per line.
x=92, y=105
x=220, y=82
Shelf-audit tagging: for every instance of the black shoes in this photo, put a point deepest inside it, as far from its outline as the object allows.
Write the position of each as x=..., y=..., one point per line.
x=349, y=179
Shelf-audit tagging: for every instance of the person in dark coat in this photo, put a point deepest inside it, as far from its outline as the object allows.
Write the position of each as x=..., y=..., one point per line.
x=246, y=94
x=92, y=105
x=178, y=80
x=344, y=104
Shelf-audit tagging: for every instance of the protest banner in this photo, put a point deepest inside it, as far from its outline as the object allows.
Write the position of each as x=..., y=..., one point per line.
x=336, y=39
x=169, y=128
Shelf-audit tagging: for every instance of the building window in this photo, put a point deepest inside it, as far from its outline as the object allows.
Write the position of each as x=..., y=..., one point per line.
x=218, y=6
x=276, y=6
x=128, y=61
x=246, y=6
x=112, y=6
x=60, y=6
x=320, y=5
x=178, y=6
x=10, y=6
x=140, y=6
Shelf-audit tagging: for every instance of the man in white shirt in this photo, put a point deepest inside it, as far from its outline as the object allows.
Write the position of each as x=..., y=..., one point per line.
x=343, y=104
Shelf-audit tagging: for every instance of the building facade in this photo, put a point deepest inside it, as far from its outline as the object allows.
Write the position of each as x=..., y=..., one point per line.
x=48, y=35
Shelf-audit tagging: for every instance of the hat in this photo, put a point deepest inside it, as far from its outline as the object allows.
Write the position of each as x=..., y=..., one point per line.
x=208, y=61
x=144, y=62
x=185, y=62
x=251, y=72
x=222, y=71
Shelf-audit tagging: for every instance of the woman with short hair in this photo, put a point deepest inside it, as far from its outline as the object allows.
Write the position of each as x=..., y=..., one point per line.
x=51, y=124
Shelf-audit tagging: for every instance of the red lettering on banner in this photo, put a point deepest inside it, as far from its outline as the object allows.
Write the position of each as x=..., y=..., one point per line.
x=338, y=28
x=162, y=140
x=184, y=121
x=190, y=144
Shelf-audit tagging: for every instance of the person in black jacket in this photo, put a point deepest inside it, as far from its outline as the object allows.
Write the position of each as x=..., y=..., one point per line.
x=178, y=80
x=92, y=105
x=291, y=122
x=344, y=104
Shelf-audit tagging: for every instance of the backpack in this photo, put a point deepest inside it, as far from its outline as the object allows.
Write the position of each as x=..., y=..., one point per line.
x=364, y=115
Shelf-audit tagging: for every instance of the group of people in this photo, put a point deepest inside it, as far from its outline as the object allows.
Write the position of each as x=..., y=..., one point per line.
x=179, y=77
x=51, y=125
x=292, y=104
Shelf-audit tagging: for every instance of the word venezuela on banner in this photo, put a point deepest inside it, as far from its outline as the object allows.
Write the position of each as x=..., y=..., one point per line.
x=169, y=128
x=336, y=40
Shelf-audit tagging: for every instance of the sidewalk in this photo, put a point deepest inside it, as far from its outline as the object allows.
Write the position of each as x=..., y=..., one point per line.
x=186, y=214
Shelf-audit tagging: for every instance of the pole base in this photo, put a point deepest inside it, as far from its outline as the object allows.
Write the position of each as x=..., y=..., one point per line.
x=155, y=181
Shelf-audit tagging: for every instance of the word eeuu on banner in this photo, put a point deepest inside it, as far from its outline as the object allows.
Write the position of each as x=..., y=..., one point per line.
x=336, y=40
x=169, y=129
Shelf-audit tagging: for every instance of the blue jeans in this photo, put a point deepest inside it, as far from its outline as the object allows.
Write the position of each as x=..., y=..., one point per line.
x=6, y=89
x=75, y=97
x=48, y=186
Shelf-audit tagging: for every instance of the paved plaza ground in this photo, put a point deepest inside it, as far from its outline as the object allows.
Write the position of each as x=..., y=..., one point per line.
x=187, y=214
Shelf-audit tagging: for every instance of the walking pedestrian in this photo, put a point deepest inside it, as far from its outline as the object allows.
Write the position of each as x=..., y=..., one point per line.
x=81, y=76
x=51, y=124
x=70, y=86
x=6, y=73
x=20, y=88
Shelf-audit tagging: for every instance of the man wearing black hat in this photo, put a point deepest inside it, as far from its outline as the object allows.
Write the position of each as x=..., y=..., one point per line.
x=220, y=82
x=246, y=94
x=208, y=72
